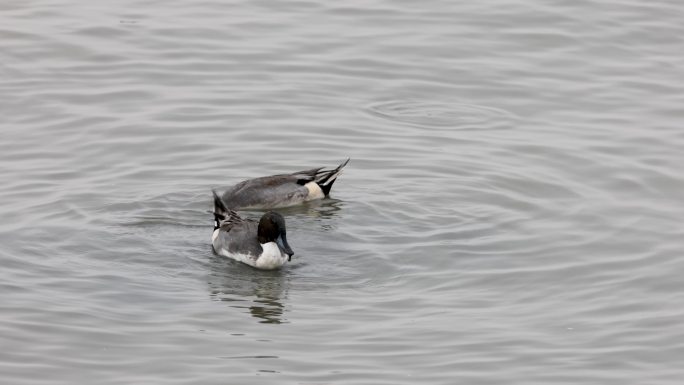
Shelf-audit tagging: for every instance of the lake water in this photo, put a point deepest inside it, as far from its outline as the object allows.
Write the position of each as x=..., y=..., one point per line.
x=512, y=213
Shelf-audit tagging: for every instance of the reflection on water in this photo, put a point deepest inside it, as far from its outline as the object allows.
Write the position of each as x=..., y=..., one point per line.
x=261, y=293
x=321, y=208
x=318, y=214
x=270, y=310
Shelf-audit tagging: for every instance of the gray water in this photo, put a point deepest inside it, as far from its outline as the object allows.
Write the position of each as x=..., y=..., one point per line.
x=512, y=213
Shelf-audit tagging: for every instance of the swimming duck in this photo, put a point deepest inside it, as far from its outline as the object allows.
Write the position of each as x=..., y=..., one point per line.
x=260, y=244
x=282, y=190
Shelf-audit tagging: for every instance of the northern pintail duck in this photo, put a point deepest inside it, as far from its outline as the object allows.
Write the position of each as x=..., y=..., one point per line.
x=282, y=190
x=260, y=244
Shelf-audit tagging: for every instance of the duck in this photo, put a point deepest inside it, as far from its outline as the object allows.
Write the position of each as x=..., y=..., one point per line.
x=282, y=190
x=261, y=244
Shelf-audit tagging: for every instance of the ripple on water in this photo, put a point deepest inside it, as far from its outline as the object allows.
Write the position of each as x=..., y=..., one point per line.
x=442, y=115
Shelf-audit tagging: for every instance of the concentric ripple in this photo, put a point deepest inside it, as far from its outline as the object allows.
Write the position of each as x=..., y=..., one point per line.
x=443, y=115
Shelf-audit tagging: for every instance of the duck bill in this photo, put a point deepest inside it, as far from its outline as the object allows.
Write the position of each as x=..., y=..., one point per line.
x=282, y=242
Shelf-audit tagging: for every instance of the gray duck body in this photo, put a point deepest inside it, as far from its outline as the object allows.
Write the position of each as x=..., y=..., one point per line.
x=282, y=190
x=238, y=238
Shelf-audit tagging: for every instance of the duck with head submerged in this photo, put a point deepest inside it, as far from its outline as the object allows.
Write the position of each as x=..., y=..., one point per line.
x=282, y=190
x=260, y=244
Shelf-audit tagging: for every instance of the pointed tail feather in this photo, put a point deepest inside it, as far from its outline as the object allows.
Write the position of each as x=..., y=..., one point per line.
x=219, y=210
x=325, y=179
x=219, y=207
x=222, y=214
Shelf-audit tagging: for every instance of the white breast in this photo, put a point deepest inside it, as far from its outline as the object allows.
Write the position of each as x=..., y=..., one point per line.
x=271, y=257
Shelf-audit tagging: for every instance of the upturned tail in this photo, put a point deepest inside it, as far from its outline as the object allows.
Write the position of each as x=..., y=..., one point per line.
x=326, y=178
x=219, y=210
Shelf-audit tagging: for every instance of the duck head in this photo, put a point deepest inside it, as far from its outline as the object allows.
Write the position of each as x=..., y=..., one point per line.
x=272, y=229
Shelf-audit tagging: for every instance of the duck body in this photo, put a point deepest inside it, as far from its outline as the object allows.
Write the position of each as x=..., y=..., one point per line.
x=262, y=244
x=282, y=190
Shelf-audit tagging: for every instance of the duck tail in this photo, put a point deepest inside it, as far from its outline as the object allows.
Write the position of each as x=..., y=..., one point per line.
x=219, y=206
x=222, y=214
x=326, y=178
x=219, y=210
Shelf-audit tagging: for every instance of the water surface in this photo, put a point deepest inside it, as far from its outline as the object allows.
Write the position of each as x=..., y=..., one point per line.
x=512, y=212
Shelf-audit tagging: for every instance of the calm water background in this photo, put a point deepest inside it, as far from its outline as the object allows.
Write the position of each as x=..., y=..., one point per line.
x=512, y=213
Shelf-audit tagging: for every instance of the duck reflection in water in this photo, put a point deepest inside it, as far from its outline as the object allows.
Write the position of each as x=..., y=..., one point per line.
x=242, y=287
x=318, y=215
